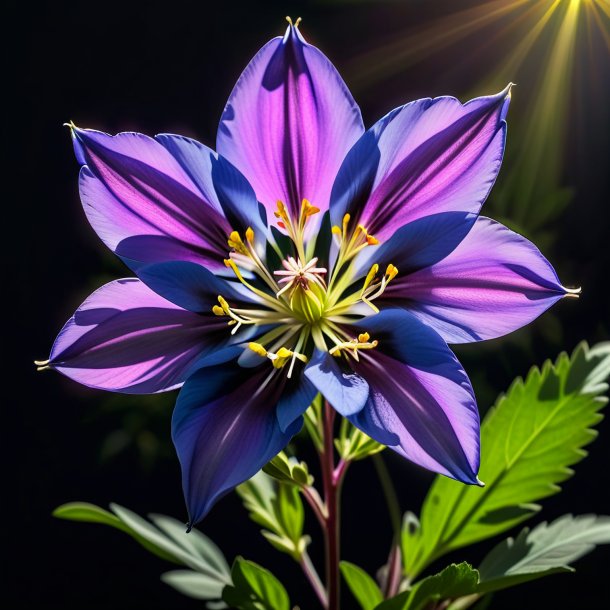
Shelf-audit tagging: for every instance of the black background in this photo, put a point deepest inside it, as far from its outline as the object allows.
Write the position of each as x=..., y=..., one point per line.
x=169, y=67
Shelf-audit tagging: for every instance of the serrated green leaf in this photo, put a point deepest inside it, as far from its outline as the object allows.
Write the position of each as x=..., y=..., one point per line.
x=363, y=587
x=456, y=580
x=254, y=588
x=279, y=509
x=193, y=584
x=547, y=549
x=528, y=442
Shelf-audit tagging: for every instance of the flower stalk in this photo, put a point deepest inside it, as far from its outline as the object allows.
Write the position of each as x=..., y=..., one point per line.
x=332, y=480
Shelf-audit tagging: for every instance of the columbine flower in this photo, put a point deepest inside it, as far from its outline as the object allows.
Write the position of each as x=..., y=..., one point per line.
x=306, y=255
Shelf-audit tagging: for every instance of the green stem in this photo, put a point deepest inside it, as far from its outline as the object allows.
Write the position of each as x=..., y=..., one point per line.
x=389, y=493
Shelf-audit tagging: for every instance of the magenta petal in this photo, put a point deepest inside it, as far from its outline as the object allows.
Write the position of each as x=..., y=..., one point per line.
x=126, y=338
x=494, y=282
x=429, y=156
x=148, y=205
x=289, y=123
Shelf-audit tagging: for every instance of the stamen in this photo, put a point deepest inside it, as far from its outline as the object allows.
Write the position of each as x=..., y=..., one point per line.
x=573, y=293
x=351, y=347
x=372, y=291
x=236, y=320
x=280, y=358
x=348, y=249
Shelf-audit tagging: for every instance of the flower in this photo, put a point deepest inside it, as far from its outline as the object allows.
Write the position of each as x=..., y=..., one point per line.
x=306, y=255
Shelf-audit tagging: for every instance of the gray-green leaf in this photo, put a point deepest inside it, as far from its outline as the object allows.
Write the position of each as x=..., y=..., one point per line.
x=363, y=587
x=192, y=584
x=528, y=442
x=547, y=549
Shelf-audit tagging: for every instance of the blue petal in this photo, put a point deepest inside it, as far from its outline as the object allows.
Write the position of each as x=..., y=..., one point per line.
x=295, y=400
x=347, y=392
x=188, y=285
x=225, y=429
x=211, y=172
x=421, y=403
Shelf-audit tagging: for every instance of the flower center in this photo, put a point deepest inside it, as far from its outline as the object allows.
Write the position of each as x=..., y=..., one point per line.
x=302, y=303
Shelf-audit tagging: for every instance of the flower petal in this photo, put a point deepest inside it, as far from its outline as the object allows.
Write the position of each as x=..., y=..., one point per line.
x=154, y=200
x=225, y=429
x=289, y=123
x=421, y=403
x=192, y=286
x=419, y=244
x=126, y=338
x=429, y=156
x=346, y=391
x=494, y=282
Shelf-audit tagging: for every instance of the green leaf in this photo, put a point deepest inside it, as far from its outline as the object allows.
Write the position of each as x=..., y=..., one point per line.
x=196, y=544
x=456, y=580
x=362, y=586
x=313, y=423
x=353, y=444
x=254, y=588
x=192, y=584
x=528, y=441
x=279, y=509
x=547, y=549
x=90, y=513
x=288, y=470
x=169, y=541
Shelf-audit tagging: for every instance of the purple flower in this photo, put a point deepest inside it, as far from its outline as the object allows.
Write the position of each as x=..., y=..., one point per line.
x=306, y=255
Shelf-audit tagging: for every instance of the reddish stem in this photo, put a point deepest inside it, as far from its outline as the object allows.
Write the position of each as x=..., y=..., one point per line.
x=394, y=572
x=332, y=485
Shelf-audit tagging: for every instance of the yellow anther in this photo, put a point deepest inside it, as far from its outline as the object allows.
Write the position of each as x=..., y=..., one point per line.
x=336, y=230
x=257, y=348
x=218, y=311
x=250, y=234
x=372, y=241
x=236, y=243
x=346, y=220
x=351, y=347
x=297, y=22
x=224, y=305
x=391, y=272
x=308, y=209
x=370, y=276
x=281, y=210
x=278, y=359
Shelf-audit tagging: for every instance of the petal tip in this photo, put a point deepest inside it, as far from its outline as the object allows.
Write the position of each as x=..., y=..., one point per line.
x=572, y=293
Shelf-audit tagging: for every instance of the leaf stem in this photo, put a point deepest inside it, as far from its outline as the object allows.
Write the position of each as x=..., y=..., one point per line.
x=314, y=580
x=316, y=503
